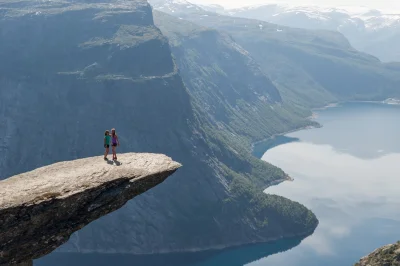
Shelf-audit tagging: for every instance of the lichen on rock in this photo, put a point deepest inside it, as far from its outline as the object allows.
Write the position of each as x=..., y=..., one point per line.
x=385, y=256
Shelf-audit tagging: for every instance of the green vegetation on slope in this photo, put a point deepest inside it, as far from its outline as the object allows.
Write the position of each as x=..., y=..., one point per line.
x=238, y=105
x=309, y=67
x=228, y=84
x=75, y=69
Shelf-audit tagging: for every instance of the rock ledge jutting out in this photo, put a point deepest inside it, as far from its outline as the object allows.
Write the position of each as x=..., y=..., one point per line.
x=39, y=210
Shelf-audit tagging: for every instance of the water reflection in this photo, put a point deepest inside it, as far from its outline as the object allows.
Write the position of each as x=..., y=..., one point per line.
x=347, y=172
x=364, y=130
x=352, y=184
x=232, y=257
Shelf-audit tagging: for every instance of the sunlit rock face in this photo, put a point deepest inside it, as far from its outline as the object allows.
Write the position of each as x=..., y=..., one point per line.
x=39, y=210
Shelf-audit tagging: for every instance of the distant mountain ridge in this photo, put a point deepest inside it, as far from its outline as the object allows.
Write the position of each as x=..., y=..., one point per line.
x=172, y=6
x=371, y=19
x=309, y=67
x=369, y=30
x=372, y=31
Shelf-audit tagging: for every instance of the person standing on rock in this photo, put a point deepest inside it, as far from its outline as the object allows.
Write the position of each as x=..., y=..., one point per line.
x=115, y=143
x=107, y=141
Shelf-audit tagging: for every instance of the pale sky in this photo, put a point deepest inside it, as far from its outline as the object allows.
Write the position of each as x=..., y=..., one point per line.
x=379, y=4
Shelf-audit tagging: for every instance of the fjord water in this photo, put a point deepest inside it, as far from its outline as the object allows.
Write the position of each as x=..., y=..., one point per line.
x=347, y=173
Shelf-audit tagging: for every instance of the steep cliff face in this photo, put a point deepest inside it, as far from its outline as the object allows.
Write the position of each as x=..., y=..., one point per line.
x=39, y=210
x=70, y=70
x=227, y=81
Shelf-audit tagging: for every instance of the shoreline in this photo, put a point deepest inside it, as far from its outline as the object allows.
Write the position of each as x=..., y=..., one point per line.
x=274, y=183
x=314, y=116
x=283, y=133
x=223, y=247
x=287, y=178
x=310, y=118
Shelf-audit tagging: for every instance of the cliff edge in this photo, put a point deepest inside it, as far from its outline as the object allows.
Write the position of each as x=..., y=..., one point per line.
x=39, y=210
x=386, y=256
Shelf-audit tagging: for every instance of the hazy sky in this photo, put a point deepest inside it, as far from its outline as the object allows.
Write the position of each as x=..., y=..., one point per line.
x=381, y=4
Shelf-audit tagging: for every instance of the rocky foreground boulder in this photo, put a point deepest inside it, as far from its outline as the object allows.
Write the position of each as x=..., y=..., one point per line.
x=386, y=256
x=39, y=210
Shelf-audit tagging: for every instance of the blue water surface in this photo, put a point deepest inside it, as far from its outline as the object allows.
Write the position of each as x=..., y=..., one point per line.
x=347, y=173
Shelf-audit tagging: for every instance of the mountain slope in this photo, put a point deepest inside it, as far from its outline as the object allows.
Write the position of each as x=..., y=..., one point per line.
x=227, y=82
x=70, y=70
x=371, y=31
x=309, y=67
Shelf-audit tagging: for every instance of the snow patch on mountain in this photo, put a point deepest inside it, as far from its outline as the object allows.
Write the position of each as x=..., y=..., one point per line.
x=174, y=6
x=373, y=31
x=373, y=19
